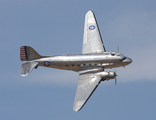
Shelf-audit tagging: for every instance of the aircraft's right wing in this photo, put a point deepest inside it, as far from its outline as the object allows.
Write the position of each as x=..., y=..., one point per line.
x=86, y=86
x=92, y=41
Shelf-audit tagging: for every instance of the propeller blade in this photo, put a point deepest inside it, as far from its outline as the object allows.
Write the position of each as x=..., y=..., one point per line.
x=115, y=78
x=115, y=81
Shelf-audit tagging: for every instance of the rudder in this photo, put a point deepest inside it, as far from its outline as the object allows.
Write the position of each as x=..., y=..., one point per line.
x=27, y=53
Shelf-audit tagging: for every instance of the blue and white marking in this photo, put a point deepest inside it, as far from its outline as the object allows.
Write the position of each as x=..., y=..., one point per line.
x=47, y=63
x=92, y=27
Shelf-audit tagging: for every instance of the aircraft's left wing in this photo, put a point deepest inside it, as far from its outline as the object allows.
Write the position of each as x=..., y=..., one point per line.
x=86, y=86
x=92, y=41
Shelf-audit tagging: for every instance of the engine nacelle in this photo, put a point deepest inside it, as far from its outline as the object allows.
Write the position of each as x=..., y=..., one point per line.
x=107, y=75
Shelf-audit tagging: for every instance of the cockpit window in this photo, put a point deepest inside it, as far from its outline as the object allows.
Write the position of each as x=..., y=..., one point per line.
x=112, y=54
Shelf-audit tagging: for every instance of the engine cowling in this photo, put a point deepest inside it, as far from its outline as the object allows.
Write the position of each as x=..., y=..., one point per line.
x=107, y=75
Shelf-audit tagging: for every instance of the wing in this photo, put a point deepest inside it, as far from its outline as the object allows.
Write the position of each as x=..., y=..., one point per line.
x=86, y=86
x=92, y=41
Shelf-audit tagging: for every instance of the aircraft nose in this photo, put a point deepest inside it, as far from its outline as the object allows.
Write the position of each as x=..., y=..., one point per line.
x=127, y=60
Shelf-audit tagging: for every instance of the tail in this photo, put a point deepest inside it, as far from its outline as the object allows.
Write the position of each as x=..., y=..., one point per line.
x=27, y=54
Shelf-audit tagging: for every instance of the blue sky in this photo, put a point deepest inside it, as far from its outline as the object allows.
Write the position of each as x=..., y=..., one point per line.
x=56, y=28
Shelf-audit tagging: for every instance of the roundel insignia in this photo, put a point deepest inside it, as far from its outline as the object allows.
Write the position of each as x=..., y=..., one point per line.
x=92, y=27
x=47, y=63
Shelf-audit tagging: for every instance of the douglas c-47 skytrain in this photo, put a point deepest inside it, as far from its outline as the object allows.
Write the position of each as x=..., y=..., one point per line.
x=90, y=64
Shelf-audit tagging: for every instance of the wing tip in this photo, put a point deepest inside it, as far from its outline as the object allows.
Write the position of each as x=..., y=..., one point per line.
x=78, y=105
x=90, y=12
x=77, y=109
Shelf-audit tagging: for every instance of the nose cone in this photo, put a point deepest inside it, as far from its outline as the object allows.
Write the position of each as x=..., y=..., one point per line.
x=127, y=60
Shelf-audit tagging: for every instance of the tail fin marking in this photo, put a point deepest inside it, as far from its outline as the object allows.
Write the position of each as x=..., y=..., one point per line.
x=28, y=53
x=23, y=54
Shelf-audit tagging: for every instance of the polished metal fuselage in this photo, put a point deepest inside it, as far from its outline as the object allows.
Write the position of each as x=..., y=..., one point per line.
x=82, y=62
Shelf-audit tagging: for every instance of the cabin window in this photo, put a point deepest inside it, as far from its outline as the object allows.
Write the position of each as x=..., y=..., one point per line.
x=95, y=64
x=67, y=65
x=89, y=64
x=84, y=64
x=72, y=65
x=78, y=65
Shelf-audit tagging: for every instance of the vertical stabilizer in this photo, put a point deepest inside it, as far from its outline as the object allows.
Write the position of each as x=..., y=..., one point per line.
x=28, y=53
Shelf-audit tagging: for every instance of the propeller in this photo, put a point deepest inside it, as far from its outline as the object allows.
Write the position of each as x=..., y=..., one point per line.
x=115, y=77
x=115, y=80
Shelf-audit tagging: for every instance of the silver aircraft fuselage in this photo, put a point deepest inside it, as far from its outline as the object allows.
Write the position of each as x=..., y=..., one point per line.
x=82, y=62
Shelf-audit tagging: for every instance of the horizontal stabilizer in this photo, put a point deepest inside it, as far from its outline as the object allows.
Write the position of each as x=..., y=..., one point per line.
x=27, y=67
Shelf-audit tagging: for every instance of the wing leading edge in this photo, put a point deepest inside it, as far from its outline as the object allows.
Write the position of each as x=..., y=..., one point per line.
x=86, y=86
x=92, y=41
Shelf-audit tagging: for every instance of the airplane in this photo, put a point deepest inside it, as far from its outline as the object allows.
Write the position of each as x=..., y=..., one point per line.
x=90, y=64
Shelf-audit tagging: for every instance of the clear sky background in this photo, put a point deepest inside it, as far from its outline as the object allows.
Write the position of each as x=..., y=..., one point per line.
x=56, y=28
